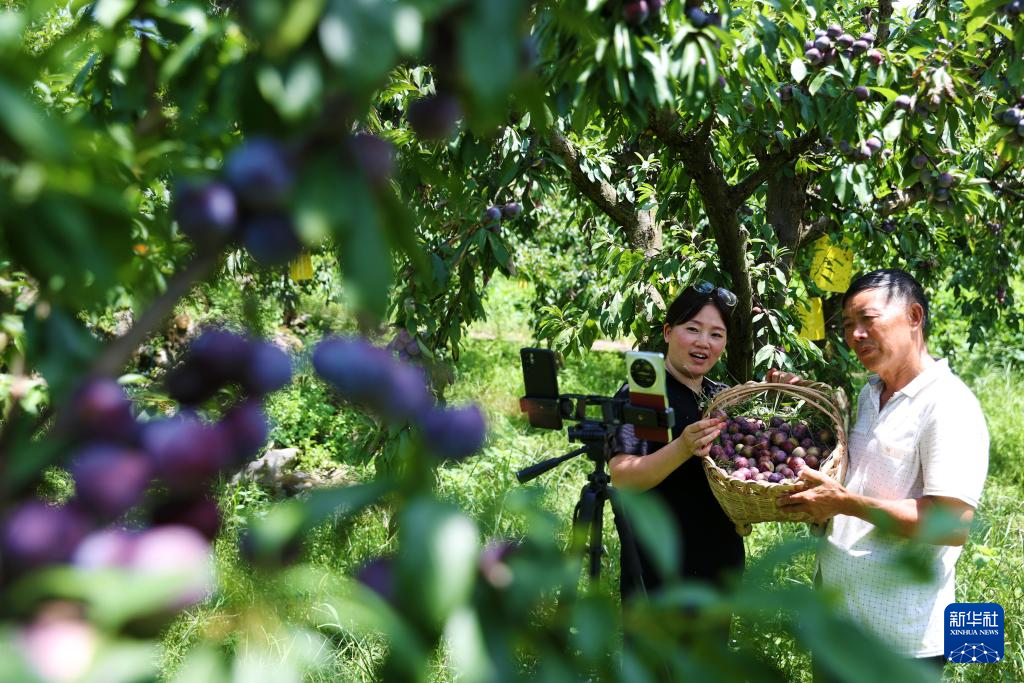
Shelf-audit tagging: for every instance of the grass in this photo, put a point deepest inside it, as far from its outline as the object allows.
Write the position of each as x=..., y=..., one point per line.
x=486, y=488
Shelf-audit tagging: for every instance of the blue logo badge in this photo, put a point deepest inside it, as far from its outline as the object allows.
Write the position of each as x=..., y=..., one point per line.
x=974, y=633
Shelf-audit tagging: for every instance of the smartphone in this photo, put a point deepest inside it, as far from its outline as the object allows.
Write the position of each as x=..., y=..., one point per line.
x=645, y=372
x=540, y=377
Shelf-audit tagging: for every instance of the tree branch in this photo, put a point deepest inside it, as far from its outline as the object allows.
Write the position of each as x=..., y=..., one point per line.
x=769, y=166
x=884, y=14
x=641, y=231
x=116, y=354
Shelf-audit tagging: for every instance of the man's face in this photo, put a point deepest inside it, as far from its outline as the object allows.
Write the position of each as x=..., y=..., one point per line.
x=883, y=330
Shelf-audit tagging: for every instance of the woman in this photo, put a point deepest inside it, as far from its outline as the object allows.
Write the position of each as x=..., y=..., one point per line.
x=696, y=328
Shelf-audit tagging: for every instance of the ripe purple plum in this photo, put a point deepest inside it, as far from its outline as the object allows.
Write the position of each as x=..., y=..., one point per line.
x=375, y=155
x=110, y=479
x=919, y=161
x=945, y=180
x=868, y=37
x=697, y=17
x=741, y=461
x=356, y=369
x=824, y=44
x=761, y=476
x=103, y=549
x=806, y=442
x=860, y=46
x=408, y=395
x=742, y=474
x=787, y=446
x=190, y=384
x=798, y=452
x=511, y=210
x=786, y=472
x=636, y=12
x=826, y=437
x=845, y=41
x=206, y=213
x=186, y=453
x=795, y=463
x=197, y=512
x=766, y=465
x=749, y=440
x=778, y=438
x=268, y=368
x=453, y=433
x=776, y=422
x=875, y=57
x=779, y=456
x=58, y=646
x=812, y=461
x=815, y=451
x=221, y=354
x=181, y=555
x=434, y=117
x=492, y=215
x=903, y=102
x=716, y=452
x=36, y=534
x=260, y=174
x=101, y=411
x=775, y=477
x=246, y=430
x=379, y=576
x=834, y=31
x=813, y=55
x=270, y=238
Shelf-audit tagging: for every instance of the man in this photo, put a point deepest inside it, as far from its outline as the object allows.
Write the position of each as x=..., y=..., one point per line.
x=920, y=445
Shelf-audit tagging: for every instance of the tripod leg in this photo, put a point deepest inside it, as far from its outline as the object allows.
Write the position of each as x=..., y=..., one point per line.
x=630, y=555
x=582, y=516
x=597, y=535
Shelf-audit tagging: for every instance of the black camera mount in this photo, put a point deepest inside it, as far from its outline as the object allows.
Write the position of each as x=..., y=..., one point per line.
x=597, y=436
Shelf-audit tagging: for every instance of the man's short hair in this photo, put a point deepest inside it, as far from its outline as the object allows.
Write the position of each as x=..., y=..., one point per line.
x=898, y=283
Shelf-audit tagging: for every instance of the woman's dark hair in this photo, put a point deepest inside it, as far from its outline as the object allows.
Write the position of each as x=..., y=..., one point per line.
x=689, y=303
x=898, y=284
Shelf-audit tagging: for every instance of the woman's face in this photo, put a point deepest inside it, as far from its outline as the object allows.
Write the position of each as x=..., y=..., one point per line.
x=696, y=345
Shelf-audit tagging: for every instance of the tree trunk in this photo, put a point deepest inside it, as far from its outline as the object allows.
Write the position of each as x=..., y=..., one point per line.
x=731, y=239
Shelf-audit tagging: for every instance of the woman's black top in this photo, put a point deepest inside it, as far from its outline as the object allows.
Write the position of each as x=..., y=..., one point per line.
x=710, y=546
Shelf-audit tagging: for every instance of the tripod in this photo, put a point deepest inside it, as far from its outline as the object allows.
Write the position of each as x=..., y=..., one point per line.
x=588, y=515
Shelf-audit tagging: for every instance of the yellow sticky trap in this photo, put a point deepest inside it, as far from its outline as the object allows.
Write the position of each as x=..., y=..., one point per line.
x=812, y=319
x=302, y=267
x=831, y=266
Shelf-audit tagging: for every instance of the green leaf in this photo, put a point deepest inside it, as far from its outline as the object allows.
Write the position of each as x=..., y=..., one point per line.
x=27, y=126
x=817, y=82
x=109, y=12
x=299, y=21
x=438, y=547
x=654, y=530
x=798, y=70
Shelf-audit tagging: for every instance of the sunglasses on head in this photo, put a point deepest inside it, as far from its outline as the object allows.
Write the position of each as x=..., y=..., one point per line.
x=727, y=298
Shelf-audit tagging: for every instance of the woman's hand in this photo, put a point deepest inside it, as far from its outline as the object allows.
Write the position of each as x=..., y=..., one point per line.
x=697, y=437
x=782, y=377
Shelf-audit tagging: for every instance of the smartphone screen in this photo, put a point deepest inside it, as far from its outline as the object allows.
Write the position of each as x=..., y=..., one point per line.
x=645, y=372
x=540, y=378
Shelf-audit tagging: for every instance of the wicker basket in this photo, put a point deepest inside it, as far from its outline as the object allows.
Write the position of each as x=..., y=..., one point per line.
x=748, y=502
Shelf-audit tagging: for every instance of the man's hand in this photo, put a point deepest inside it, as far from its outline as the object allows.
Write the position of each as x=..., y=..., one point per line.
x=820, y=497
x=782, y=377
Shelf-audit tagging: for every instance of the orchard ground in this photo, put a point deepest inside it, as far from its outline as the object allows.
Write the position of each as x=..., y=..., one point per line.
x=489, y=373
